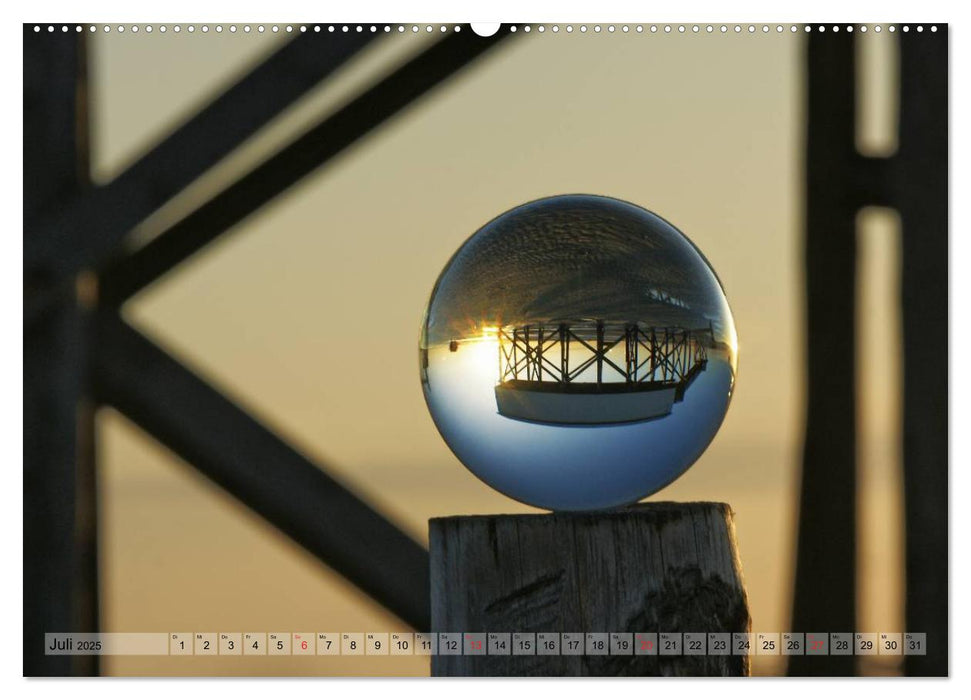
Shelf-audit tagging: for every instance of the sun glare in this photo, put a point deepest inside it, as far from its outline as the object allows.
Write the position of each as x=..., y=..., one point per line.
x=481, y=357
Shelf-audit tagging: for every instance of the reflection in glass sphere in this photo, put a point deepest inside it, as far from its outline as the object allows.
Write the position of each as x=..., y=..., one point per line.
x=578, y=353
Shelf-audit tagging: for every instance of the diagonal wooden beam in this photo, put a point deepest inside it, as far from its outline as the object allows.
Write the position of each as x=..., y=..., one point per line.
x=253, y=464
x=88, y=229
x=295, y=161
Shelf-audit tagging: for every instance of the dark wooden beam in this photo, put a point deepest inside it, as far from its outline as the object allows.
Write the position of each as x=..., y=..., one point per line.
x=825, y=581
x=257, y=467
x=87, y=579
x=59, y=591
x=839, y=183
x=87, y=229
x=301, y=157
x=923, y=207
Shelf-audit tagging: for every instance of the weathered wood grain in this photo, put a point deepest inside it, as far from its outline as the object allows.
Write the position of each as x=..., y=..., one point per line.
x=657, y=567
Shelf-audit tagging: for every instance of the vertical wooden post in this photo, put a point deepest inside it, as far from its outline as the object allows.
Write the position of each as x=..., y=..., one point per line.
x=923, y=206
x=825, y=579
x=60, y=526
x=600, y=352
x=657, y=567
x=838, y=182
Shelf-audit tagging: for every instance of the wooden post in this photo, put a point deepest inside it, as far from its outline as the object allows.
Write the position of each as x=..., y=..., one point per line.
x=60, y=572
x=824, y=596
x=655, y=567
x=923, y=206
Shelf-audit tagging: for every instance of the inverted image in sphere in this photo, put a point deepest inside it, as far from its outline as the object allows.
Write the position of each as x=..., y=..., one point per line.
x=578, y=353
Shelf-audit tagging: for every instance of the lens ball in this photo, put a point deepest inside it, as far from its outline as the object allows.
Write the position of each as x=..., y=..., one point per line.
x=578, y=353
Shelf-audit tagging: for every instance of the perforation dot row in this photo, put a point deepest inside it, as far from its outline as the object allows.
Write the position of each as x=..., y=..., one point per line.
x=247, y=28
x=554, y=28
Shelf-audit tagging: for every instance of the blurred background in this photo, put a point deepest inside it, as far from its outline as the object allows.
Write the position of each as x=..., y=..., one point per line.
x=707, y=130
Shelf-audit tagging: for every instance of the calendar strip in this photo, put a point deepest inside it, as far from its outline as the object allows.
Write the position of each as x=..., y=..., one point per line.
x=387, y=644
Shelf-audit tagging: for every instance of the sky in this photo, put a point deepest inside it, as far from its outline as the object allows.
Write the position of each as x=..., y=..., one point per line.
x=308, y=312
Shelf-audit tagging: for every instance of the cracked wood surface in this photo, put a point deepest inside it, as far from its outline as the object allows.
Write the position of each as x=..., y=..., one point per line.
x=653, y=567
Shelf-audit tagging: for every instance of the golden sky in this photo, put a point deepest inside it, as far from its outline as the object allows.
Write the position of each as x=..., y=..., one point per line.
x=705, y=130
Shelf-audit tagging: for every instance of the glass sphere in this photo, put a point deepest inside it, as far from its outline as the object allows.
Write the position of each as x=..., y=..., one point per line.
x=578, y=353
